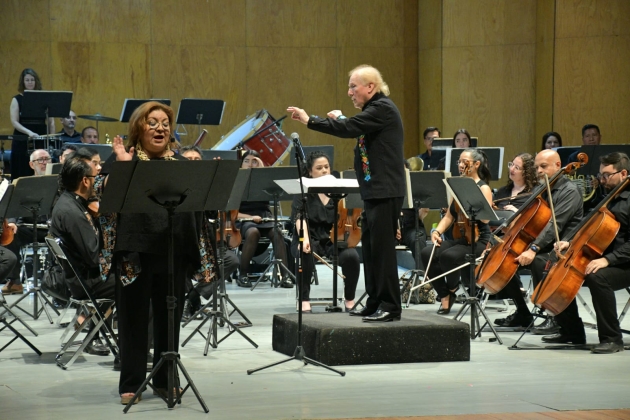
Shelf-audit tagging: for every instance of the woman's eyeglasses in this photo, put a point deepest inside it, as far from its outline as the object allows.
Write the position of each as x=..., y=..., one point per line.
x=153, y=124
x=516, y=167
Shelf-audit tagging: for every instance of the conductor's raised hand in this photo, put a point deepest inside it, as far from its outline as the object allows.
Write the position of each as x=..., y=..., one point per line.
x=118, y=147
x=298, y=114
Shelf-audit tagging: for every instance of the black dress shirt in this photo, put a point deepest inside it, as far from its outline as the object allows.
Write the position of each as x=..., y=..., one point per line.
x=567, y=203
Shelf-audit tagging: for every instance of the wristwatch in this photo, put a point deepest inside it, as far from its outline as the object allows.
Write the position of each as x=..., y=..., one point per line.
x=534, y=248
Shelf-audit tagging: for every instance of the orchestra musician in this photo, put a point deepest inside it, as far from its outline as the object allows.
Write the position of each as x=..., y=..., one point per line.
x=89, y=135
x=551, y=140
x=567, y=205
x=450, y=254
x=321, y=216
x=8, y=260
x=253, y=230
x=68, y=133
x=430, y=133
x=139, y=256
x=461, y=139
x=378, y=155
x=604, y=275
x=29, y=80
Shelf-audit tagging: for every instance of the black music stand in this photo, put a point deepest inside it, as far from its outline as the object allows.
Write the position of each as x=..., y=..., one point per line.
x=38, y=104
x=428, y=191
x=32, y=196
x=130, y=105
x=495, y=160
x=299, y=354
x=475, y=206
x=226, y=191
x=200, y=112
x=209, y=154
x=153, y=187
x=261, y=188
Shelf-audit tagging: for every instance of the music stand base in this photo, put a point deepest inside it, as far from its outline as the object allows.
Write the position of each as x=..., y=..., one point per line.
x=38, y=296
x=298, y=355
x=277, y=266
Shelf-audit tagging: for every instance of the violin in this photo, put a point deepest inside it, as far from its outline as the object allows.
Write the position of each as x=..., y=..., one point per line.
x=348, y=225
x=93, y=207
x=462, y=228
x=589, y=241
x=523, y=227
x=7, y=234
x=232, y=233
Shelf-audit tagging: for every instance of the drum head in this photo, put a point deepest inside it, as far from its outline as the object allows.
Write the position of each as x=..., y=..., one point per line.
x=243, y=131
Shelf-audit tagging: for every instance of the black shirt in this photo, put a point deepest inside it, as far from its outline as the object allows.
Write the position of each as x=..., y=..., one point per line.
x=75, y=138
x=567, y=203
x=506, y=192
x=35, y=125
x=484, y=228
x=619, y=250
x=320, y=217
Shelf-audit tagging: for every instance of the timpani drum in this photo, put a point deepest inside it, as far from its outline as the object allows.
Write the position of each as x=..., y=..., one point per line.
x=260, y=133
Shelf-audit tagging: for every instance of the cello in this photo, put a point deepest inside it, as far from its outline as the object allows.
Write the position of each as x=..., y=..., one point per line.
x=589, y=241
x=523, y=227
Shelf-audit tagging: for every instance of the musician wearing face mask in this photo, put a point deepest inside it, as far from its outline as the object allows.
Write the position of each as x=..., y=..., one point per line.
x=606, y=274
x=450, y=254
x=567, y=205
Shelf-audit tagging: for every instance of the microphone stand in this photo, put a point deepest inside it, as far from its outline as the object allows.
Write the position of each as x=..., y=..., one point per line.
x=299, y=354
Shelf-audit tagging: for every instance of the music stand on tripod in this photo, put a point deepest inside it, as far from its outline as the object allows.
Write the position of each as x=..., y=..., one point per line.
x=31, y=197
x=475, y=207
x=38, y=104
x=230, y=178
x=428, y=191
x=200, y=112
x=299, y=354
x=262, y=188
x=152, y=187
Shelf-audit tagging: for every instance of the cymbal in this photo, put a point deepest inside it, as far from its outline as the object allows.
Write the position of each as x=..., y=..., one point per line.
x=97, y=117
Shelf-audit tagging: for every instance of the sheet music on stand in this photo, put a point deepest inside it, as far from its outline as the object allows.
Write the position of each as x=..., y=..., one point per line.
x=354, y=200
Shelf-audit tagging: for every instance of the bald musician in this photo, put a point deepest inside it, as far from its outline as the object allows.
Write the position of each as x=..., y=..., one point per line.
x=607, y=274
x=567, y=203
x=378, y=155
x=68, y=133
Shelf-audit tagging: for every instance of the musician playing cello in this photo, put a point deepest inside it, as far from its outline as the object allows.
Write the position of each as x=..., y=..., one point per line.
x=604, y=275
x=450, y=254
x=567, y=203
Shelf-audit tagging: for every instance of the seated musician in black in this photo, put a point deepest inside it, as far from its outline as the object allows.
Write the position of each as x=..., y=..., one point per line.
x=253, y=230
x=321, y=216
x=604, y=275
x=80, y=232
x=407, y=232
x=450, y=254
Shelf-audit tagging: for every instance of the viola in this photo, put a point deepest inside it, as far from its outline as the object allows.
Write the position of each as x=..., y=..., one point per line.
x=462, y=228
x=589, y=241
x=348, y=226
x=523, y=227
x=232, y=233
x=93, y=207
x=7, y=234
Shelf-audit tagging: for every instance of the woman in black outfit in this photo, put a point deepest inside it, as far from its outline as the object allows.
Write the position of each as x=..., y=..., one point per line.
x=452, y=253
x=29, y=80
x=253, y=230
x=140, y=256
x=321, y=216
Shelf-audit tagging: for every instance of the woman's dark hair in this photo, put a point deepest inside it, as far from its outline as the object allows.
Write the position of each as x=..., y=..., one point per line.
x=484, y=167
x=310, y=161
x=529, y=172
x=462, y=131
x=38, y=82
x=550, y=134
x=189, y=148
x=250, y=153
x=73, y=171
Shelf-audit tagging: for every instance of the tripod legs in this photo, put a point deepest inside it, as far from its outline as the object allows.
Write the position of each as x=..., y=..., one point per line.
x=300, y=356
x=277, y=266
x=39, y=296
x=475, y=327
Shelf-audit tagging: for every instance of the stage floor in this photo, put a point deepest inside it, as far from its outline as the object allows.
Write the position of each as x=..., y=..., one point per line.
x=495, y=380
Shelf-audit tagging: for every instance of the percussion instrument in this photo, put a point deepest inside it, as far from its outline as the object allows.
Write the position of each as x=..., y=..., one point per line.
x=258, y=132
x=97, y=117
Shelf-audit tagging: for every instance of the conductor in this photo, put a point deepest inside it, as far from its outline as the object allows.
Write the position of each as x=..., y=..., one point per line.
x=378, y=157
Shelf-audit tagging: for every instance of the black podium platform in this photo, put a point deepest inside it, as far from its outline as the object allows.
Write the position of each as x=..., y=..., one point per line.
x=338, y=339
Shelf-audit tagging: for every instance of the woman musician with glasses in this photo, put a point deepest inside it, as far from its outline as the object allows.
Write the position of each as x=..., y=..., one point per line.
x=450, y=254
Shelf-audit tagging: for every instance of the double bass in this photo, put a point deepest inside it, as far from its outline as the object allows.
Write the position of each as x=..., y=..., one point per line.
x=588, y=241
x=523, y=227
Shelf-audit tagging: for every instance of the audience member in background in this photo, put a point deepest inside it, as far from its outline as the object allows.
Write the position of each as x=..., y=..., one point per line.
x=68, y=133
x=430, y=133
x=89, y=135
x=551, y=140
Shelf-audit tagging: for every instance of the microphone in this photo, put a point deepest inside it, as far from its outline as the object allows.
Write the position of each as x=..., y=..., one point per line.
x=298, y=145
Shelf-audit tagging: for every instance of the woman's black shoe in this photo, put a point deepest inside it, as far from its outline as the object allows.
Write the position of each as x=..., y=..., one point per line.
x=243, y=282
x=451, y=300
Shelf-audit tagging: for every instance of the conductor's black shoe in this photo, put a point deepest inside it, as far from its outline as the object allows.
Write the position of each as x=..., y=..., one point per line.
x=243, y=282
x=550, y=326
x=564, y=339
x=286, y=283
x=607, y=348
x=382, y=316
x=361, y=312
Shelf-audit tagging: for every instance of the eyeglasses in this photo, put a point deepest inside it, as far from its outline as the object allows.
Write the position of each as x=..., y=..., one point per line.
x=513, y=165
x=89, y=176
x=153, y=124
x=605, y=177
x=42, y=160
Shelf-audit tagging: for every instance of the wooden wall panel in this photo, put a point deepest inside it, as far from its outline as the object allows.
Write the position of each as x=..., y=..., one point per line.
x=209, y=23
x=545, y=42
x=102, y=21
x=25, y=20
x=373, y=23
x=203, y=72
x=287, y=23
x=15, y=56
x=489, y=22
x=589, y=18
x=102, y=75
x=592, y=85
